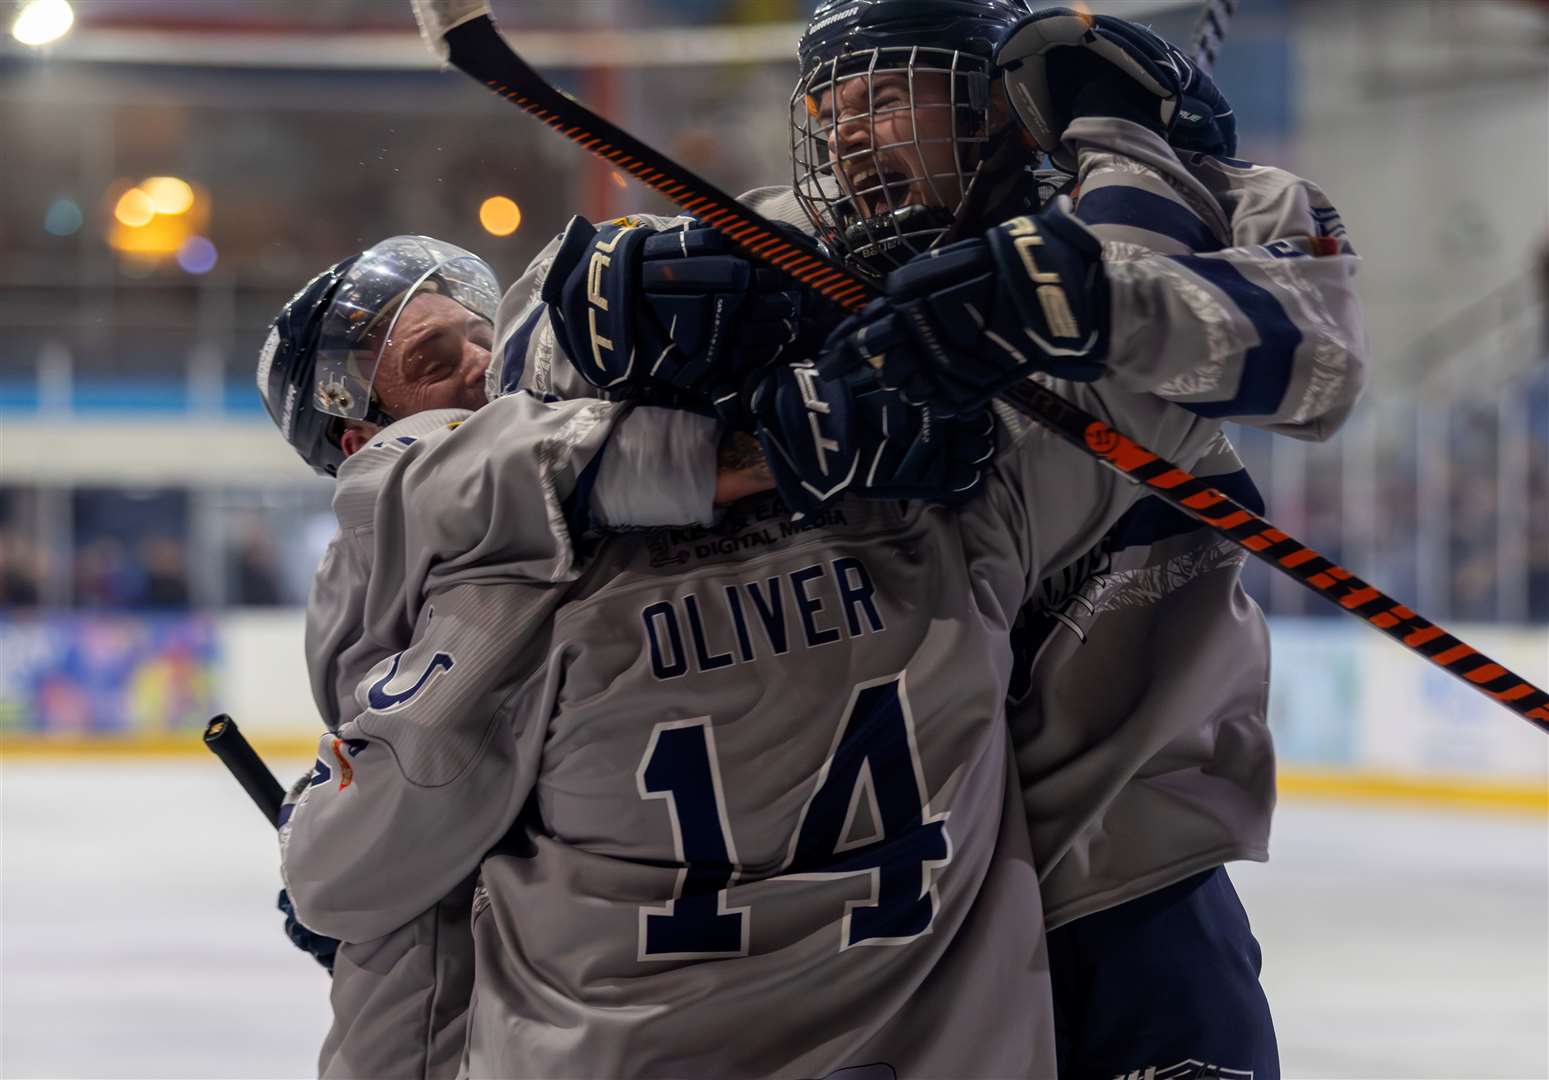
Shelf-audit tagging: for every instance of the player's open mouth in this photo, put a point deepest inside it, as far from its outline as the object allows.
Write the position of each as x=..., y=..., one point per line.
x=877, y=187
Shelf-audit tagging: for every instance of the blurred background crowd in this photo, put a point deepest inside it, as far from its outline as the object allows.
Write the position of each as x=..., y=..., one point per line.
x=175, y=171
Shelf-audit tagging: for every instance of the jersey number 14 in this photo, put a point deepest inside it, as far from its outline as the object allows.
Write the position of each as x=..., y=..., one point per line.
x=874, y=762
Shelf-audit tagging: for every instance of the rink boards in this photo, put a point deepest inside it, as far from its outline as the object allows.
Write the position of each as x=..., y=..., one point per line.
x=1353, y=714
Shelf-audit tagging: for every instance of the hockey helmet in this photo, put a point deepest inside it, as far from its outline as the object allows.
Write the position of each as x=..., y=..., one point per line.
x=878, y=203
x=318, y=364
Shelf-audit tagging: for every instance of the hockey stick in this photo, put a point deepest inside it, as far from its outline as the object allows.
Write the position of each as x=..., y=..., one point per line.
x=1210, y=31
x=462, y=32
x=237, y=754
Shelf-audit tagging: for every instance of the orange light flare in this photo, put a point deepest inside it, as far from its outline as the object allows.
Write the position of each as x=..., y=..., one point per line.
x=149, y=221
x=500, y=215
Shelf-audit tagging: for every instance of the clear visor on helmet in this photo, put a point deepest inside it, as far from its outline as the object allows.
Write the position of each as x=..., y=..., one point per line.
x=885, y=145
x=360, y=320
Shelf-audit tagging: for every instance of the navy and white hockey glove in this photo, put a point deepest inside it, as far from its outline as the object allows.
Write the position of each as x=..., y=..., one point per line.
x=636, y=308
x=1062, y=64
x=322, y=949
x=823, y=436
x=959, y=323
x=918, y=451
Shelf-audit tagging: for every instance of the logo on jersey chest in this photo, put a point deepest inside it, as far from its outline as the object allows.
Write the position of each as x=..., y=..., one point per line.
x=721, y=626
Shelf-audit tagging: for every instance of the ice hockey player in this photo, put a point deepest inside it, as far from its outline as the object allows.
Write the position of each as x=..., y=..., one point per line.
x=617, y=941
x=381, y=350
x=1144, y=754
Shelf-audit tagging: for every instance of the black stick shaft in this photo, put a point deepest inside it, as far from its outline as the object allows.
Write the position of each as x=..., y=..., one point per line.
x=227, y=743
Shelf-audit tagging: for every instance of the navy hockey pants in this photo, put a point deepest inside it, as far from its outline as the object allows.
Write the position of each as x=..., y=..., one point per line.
x=1165, y=987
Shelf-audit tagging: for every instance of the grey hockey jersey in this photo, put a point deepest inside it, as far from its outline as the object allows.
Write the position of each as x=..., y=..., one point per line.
x=1140, y=718
x=767, y=817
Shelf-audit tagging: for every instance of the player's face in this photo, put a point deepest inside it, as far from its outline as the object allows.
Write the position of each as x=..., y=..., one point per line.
x=893, y=144
x=435, y=359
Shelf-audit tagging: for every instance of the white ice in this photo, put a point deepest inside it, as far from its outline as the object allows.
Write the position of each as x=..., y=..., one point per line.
x=140, y=939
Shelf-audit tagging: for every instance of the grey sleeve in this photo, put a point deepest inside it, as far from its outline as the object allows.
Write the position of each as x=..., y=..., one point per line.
x=494, y=500
x=1055, y=502
x=1232, y=286
x=333, y=624
x=409, y=795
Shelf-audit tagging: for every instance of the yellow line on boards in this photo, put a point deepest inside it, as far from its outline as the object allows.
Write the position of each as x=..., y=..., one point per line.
x=150, y=746
x=1294, y=783
x=1364, y=786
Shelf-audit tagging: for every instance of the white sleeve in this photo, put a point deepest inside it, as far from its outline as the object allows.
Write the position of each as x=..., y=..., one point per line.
x=659, y=469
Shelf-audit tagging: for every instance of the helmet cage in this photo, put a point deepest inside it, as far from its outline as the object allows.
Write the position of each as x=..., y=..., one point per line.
x=880, y=223
x=368, y=303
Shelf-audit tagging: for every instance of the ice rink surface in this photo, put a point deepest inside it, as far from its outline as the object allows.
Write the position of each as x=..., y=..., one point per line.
x=140, y=937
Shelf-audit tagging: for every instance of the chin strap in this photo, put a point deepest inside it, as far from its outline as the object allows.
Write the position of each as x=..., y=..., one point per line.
x=375, y=414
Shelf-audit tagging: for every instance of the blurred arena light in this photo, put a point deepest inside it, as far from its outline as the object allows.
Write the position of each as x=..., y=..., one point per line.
x=134, y=208
x=156, y=218
x=63, y=217
x=197, y=255
x=168, y=194
x=500, y=216
x=42, y=21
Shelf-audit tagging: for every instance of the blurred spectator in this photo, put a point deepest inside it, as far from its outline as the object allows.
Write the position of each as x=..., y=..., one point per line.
x=20, y=577
x=1543, y=299
x=166, y=573
x=104, y=575
x=253, y=571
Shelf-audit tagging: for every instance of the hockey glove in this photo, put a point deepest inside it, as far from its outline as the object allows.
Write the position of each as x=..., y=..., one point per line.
x=635, y=308
x=823, y=436
x=1061, y=64
x=918, y=452
x=322, y=949
x=959, y=323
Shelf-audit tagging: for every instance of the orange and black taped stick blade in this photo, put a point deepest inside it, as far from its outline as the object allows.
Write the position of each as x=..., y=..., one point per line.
x=477, y=49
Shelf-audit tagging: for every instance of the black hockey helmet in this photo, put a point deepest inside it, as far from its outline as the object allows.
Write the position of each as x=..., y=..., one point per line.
x=287, y=366
x=844, y=27
x=863, y=217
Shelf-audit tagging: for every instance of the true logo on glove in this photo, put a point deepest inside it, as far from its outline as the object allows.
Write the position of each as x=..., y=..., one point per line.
x=1051, y=295
x=594, y=271
x=806, y=381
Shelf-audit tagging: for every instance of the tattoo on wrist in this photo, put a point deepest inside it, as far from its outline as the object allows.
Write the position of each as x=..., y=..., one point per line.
x=740, y=451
